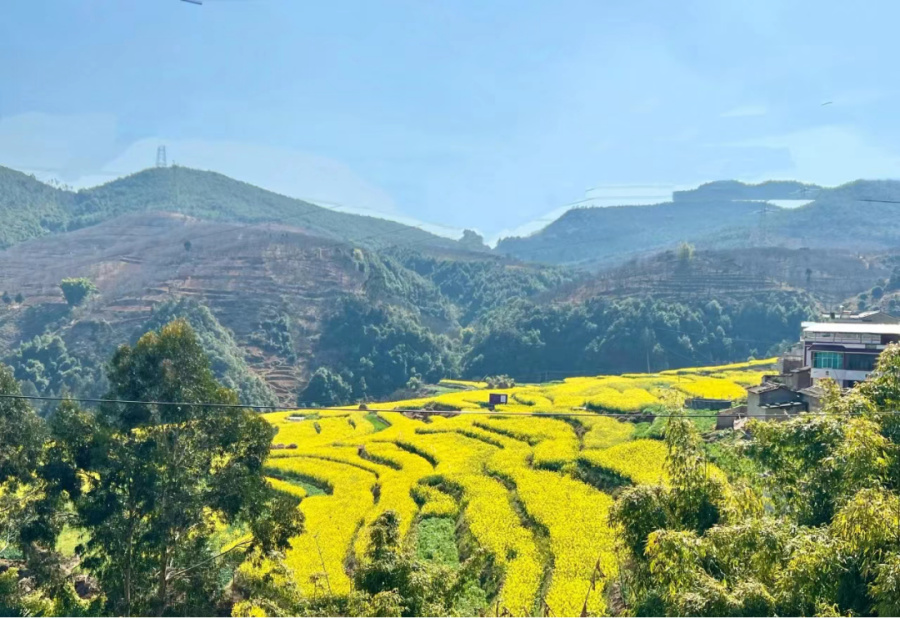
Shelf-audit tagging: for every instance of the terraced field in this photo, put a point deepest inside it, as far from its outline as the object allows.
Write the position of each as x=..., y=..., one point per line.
x=523, y=488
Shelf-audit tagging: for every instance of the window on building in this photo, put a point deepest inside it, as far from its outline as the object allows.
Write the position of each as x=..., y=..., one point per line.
x=861, y=362
x=828, y=360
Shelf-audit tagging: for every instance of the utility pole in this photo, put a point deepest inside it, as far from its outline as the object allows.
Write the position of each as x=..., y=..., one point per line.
x=161, y=157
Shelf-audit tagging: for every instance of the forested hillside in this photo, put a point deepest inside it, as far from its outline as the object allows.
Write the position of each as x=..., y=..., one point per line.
x=268, y=304
x=603, y=336
x=29, y=208
x=290, y=317
x=859, y=216
x=592, y=236
x=327, y=307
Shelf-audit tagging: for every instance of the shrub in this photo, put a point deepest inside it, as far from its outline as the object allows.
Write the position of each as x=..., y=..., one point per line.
x=77, y=290
x=326, y=388
x=502, y=381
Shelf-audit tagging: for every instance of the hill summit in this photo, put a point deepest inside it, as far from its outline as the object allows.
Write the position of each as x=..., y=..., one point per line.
x=30, y=208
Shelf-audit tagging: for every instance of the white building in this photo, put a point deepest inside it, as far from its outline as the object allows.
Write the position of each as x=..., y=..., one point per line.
x=846, y=352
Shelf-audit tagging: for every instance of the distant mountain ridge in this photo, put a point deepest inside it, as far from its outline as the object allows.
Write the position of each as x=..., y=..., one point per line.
x=606, y=234
x=734, y=190
x=863, y=215
x=30, y=208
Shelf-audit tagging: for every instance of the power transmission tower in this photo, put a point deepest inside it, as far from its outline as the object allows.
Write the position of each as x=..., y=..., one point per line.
x=161, y=157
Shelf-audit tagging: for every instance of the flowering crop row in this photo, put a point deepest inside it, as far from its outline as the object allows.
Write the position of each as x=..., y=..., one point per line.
x=712, y=388
x=555, y=442
x=574, y=516
x=489, y=515
x=518, y=501
x=435, y=503
x=395, y=488
x=317, y=556
x=286, y=487
x=604, y=432
x=642, y=461
x=754, y=364
x=330, y=428
x=627, y=393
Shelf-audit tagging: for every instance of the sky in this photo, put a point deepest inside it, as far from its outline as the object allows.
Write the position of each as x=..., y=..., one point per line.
x=493, y=115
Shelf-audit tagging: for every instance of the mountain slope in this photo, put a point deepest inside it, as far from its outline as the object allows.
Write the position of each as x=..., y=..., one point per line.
x=272, y=290
x=830, y=276
x=735, y=190
x=861, y=216
x=608, y=234
x=29, y=208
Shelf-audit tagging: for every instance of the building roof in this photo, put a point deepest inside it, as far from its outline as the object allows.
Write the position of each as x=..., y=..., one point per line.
x=813, y=391
x=875, y=315
x=785, y=404
x=766, y=387
x=872, y=328
x=869, y=314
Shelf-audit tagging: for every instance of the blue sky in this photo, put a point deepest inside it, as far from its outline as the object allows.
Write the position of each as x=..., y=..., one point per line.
x=492, y=115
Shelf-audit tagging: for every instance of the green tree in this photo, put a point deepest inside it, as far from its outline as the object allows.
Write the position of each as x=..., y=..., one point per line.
x=21, y=437
x=377, y=348
x=76, y=291
x=19, y=298
x=685, y=252
x=325, y=388
x=225, y=355
x=809, y=525
x=398, y=584
x=6, y=298
x=473, y=241
x=31, y=517
x=165, y=476
x=45, y=362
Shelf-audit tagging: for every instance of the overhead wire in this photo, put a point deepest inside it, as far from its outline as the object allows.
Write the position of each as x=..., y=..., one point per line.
x=482, y=412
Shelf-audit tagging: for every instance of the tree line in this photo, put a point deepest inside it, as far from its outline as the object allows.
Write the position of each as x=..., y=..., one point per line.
x=808, y=522
x=370, y=350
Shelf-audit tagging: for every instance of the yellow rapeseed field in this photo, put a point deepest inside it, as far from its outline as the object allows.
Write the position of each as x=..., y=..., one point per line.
x=505, y=476
x=640, y=460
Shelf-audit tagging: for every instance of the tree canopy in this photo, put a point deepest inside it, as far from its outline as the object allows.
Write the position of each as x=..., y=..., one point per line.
x=167, y=478
x=77, y=290
x=810, y=526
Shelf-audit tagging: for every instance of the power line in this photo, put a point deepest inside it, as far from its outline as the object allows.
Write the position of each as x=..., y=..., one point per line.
x=146, y=403
x=551, y=414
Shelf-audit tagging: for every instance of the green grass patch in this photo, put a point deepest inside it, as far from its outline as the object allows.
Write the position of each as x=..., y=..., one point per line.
x=436, y=541
x=377, y=422
x=69, y=539
x=312, y=489
x=704, y=420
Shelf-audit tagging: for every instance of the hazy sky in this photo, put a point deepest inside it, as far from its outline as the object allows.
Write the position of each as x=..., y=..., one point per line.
x=490, y=114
